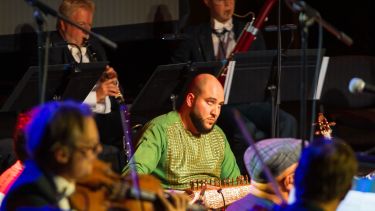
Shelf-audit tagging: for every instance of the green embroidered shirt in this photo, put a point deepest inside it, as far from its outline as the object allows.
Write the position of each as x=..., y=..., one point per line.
x=175, y=156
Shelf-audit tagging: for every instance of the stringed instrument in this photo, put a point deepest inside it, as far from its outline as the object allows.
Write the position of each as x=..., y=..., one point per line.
x=212, y=193
x=323, y=127
x=104, y=190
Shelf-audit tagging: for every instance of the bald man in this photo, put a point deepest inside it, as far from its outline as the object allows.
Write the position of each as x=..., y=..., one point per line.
x=187, y=145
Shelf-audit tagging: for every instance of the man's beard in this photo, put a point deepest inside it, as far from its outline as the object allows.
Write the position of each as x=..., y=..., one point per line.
x=198, y=123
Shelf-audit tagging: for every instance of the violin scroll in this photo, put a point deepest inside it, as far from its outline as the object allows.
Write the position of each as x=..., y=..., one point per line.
x=323, y=127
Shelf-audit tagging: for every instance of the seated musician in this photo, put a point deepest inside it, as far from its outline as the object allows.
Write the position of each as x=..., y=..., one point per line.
x=281, y=157
x=186, y=145
x=324, y=177
x=203, y=45
x=62, y=141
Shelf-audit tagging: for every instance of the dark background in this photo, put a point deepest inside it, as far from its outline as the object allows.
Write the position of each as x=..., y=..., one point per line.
x=141, y=48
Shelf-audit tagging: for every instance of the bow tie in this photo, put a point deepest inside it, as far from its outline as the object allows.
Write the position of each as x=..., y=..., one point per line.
x=75, y=51
x=220, y=33
x=221, y=27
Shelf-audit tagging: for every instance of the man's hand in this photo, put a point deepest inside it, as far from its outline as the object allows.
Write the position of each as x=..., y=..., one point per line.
x=180, y=201
x=107, y=85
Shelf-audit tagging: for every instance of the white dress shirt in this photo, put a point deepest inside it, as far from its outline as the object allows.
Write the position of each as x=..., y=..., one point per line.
x=65, y=188
x=101, y=108
x=228, y=39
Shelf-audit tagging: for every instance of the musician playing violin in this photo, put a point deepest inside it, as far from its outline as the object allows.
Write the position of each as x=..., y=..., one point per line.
x=208, y=42
x=62, y=141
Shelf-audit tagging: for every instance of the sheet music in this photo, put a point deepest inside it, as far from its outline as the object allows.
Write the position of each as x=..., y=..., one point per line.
x=322, y=75
x=358, y=201
x=228, y=80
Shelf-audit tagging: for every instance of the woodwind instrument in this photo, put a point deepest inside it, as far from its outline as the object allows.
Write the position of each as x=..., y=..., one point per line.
x=247, y=36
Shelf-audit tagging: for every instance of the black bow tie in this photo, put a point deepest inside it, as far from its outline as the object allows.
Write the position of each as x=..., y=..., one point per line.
x=220, y=33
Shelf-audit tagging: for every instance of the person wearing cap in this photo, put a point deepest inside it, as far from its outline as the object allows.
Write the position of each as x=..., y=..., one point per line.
x=280, y=155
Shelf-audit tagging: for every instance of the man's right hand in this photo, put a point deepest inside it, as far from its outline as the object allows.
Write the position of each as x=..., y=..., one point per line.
x=107, y=85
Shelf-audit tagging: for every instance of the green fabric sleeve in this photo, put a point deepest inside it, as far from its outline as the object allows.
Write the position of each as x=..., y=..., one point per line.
x=229, y=167
x=149, y=151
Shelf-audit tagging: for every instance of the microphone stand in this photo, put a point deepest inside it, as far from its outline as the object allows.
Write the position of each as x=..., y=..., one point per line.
x=40, y=7
x=307, y=14
x=276, y=104
x=303, y=76
x=42, y=53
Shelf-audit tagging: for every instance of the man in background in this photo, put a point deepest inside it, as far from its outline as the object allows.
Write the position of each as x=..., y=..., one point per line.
x=70, y=45
x=281, y=157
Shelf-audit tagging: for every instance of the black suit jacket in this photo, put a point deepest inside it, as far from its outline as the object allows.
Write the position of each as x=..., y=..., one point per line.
x=109, y=125
x=198, y=46
x=33, y=188
x=60, y=54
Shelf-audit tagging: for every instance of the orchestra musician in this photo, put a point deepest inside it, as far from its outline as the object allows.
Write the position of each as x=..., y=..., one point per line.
x=331, y=162
x=280, y=156
x=203, y=44
x=62, y=142
x=70, y=45
x=187, y=145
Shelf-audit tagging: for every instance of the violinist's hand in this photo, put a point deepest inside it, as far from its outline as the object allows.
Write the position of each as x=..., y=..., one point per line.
x=180, y=201
x=107, y=85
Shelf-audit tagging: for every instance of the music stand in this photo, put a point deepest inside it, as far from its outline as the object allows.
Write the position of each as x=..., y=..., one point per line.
x=65, y=81
x=165, y=89
x=254, y=72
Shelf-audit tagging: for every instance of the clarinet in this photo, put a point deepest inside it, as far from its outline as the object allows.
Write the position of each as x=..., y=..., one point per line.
x=127, y=144
x=125, y=121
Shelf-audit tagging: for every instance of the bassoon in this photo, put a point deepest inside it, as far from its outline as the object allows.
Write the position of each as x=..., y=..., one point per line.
x=248, y=35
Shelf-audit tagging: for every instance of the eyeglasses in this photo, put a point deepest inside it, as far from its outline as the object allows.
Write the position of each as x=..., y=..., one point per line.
x=96, y=149
x=222, y=2
x=85, y=25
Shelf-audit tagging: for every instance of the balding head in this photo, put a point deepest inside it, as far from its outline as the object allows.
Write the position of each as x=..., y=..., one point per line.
x=202, y=104
x=202, y=81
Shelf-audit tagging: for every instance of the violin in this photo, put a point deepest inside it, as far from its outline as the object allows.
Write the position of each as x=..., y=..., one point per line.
x=104, y=189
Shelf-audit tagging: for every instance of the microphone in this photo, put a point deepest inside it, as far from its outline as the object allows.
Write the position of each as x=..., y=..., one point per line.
x=357, y=85
x=301, y=6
